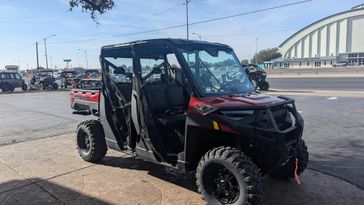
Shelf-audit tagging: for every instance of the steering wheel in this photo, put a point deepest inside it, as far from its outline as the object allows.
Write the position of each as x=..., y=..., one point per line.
x=227, y=84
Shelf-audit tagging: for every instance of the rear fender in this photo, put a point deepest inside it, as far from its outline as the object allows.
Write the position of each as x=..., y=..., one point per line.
x=112, y=140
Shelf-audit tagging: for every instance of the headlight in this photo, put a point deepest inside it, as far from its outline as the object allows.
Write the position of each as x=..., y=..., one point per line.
x=238, y=114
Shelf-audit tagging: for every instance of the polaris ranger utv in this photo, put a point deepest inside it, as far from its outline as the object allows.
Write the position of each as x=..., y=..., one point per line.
x=191, y=105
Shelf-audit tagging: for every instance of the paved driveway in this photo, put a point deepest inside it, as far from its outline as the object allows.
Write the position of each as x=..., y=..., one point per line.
x=49, y=171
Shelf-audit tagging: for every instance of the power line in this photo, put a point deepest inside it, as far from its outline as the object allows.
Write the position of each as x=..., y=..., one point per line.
x=159, y=13
x=252, y=33
x=140, y=20
x=21, y=48
x=193, y=23
x=155, y=14
x=251, y=12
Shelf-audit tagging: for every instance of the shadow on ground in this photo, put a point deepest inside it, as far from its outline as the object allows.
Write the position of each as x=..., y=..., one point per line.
x=170, y=174
x=316, y=188
x=38, y=191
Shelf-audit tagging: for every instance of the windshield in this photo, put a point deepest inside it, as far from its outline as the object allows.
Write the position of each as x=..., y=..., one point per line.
x=217, y=72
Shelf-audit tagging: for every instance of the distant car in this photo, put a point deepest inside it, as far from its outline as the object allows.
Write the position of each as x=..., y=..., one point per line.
x=339, y=64
x=9, y=80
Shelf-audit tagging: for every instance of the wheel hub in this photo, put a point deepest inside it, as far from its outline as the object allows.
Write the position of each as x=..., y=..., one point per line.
x=224, y=185
x=84, y=142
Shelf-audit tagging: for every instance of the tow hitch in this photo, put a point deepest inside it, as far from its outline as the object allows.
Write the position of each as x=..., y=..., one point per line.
x=296, y=177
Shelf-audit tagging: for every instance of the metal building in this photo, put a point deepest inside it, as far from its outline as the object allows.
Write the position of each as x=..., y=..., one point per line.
x=337, y=40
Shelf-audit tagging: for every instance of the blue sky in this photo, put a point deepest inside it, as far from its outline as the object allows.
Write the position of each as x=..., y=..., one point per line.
x=23, y=22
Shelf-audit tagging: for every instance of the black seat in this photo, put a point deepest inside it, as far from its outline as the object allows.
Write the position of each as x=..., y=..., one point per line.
x=167, y=104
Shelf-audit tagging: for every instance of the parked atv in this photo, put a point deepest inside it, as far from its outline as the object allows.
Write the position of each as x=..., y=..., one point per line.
x=257, y=76
x=91, y=79
x=191, y=105
x=67, y=77
x=43, y=79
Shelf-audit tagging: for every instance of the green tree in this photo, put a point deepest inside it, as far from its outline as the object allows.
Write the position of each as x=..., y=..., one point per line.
x=266, y=55
x=93, y=6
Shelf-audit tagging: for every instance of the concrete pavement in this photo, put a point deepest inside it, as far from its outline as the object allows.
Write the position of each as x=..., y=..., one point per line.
x=34, y=115
x=38, y=169
x=49, y=171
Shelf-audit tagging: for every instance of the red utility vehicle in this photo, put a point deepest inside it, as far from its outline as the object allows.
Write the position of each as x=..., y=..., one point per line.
x=191, y=105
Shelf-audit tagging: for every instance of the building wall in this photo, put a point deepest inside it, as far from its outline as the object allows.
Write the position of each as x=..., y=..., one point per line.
x=329, y=37
x=357, y=34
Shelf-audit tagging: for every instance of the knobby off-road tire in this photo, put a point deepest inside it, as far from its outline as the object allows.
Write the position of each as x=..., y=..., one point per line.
x=227, y=176
x=264, y=85
x=90, y=141
x=287, y=171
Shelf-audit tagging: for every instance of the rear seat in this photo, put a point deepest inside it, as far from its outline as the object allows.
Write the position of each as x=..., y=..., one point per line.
x=161, y=98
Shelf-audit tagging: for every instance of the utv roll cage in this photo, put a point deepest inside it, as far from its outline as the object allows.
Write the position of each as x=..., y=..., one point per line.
x=151, y=116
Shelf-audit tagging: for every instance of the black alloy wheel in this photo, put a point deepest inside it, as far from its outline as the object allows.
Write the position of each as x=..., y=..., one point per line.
x=225, y=175
x=83, y=142
x=222, y=183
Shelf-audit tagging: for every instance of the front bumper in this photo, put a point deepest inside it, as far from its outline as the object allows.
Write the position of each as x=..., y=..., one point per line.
x=274, y=132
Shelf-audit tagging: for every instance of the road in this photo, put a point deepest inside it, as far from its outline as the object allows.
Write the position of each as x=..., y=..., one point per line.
x=29, y=116
x=333, y=127
x=335, y=84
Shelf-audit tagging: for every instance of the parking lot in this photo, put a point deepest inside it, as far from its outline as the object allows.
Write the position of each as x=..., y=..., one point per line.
x=37, y=153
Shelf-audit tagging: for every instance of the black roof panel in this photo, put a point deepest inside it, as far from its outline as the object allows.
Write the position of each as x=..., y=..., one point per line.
x=171, y=41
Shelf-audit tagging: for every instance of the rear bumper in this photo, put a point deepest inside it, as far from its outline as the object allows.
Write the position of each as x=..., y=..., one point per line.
x=85, y=100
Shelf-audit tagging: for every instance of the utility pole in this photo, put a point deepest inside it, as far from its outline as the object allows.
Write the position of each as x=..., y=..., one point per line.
x=50, y=58
x=256, y=46
x=45, y=48
x=188, y=32
x=85, y=56
x=36, y=51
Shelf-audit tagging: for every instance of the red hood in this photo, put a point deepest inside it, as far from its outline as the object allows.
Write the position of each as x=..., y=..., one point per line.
x=253, y=99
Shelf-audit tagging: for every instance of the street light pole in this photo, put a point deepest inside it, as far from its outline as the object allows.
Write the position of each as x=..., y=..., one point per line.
x=85, y=56
x=45, y=48
x=50, y=58
x=199, y=36
x=187, y=20
x=36, y=51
